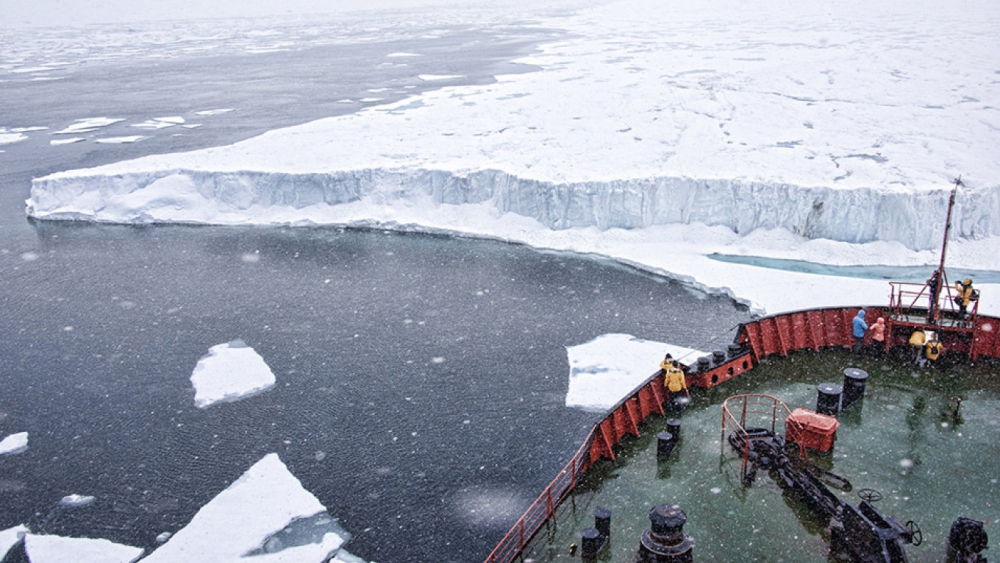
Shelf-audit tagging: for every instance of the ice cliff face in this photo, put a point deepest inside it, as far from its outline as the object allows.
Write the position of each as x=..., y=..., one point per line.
x=914, y=218
x=751, y=115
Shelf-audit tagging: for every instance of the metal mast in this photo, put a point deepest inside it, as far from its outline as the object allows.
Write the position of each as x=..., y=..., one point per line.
x=938, y=278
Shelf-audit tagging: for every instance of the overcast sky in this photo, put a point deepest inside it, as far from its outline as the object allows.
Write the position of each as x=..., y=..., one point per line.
x=19, y=13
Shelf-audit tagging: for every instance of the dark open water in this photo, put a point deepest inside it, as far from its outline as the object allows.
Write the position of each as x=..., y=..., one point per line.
x=421, y=380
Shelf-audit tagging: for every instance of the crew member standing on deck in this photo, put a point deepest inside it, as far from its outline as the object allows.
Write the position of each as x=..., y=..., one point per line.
x=675, y=383
x=666, y=363
x=933, y=349
x=965, y=296
x=878, y=337
x=860, y=328
x=917, y=340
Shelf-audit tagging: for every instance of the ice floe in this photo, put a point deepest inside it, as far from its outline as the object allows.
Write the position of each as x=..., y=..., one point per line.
x=230, y=372
x=76, y=501
x=609, y=367
x=11, y=138
x=264, y=516
x=159, y=122
x=120, y=140
x=14, y=444
x=88, y=125
x=11, y=537
x=58, y=549
x=67, y=141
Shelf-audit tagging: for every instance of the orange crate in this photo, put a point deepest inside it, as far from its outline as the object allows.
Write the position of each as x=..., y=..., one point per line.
x=811, y=429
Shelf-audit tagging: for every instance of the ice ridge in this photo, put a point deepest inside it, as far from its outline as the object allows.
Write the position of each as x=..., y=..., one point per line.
x=912, y=217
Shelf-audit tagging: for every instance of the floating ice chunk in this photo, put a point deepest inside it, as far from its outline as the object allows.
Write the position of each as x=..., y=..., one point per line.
x=433, y=77
x=14, y=444
x=228, y=373
x=11, y=138
x=343, y=556
x=57, y=549
x=160, y=122
x=11, y=537
x=120, y=140
x=88, y=125
x=265, y=507
x=403, y=54
x=75, y=500
x=69, y=141
x=610, y=366
x=213, y=111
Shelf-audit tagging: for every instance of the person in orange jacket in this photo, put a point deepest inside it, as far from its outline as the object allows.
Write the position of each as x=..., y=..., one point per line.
x=878, y=336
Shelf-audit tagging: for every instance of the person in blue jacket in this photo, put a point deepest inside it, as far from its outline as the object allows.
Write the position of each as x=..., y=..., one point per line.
x=860, y=328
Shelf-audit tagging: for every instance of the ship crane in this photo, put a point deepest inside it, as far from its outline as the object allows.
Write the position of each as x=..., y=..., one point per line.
x=931, y=307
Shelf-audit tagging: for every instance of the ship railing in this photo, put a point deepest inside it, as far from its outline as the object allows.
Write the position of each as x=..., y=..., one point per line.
x=753, y=410
x=544, y=507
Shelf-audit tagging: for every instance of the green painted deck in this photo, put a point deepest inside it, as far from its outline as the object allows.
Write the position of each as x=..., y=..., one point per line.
x=901, y=440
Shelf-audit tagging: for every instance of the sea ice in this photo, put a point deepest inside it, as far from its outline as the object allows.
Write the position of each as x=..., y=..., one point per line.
x=611, y=366
x=58, y=549
x=75, y=500
x=11, y=138
x=88, y=125
x=14, y=444
x=251, y=517
x=120, y=140
x=433, y=77
x=69, y=141
x=230, y=372
x=655, y=133
x=11, y=537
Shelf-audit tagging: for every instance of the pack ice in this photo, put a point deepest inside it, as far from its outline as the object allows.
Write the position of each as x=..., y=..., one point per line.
x=800, y=116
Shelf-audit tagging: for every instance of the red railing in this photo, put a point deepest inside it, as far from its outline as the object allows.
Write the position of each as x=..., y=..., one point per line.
x=544, y=506
x=810, y=329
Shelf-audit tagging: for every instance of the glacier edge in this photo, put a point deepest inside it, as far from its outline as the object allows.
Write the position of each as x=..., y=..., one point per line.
x=914, y=218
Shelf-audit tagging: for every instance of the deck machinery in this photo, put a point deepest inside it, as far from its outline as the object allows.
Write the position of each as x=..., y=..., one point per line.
x=861, y=533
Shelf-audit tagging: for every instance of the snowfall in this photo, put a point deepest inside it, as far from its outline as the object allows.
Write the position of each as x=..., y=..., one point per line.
x=659, y=134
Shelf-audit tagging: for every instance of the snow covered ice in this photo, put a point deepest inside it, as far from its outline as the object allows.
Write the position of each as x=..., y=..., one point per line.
x=247, y=519
x=608, y=368
x=757, y=127
x=11, y=537
x=14, y=444
x=58, y=549
x=230, y=372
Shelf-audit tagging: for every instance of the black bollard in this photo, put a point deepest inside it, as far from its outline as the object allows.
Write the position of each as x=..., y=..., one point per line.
x=602, y=521
x=735, y=350
x=966, y=539
x=704, y=363
x=674, y=427
x=719, y=357
x=664, y=445
x=854, y=386
x=591, y=543
x=665, y=540
x=828, y=398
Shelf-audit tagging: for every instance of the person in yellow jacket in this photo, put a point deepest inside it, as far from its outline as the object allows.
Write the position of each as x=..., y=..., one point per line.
x=966, y=295
x=917, y=340
x=674, y=381
x=933, y=349
x=668, y=360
